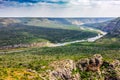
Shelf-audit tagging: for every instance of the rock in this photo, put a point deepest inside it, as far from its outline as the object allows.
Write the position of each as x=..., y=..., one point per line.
x=36, y=44
x=112, y=71
x=115, y=63
x=83, y=64
x=30, y=70
x=95, y=63
x=93, y=68
x=116, y=68
x=92, y=64
x=63, y=71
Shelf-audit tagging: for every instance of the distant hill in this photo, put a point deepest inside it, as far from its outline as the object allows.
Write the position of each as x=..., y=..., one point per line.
x=50, y=21
x=4, y=22
x=81, y=21
x=78, y=21
x=74, y=21
x=112, y=39
x=112, y=27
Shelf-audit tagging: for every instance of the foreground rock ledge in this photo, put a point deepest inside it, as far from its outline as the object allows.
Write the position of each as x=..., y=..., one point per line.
x=93, y=68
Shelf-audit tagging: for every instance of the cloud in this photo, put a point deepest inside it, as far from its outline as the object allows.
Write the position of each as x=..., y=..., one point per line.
x=21, y=3
x=60, y=8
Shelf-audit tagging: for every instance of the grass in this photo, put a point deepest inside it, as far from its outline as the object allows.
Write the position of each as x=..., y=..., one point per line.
x=17, y=74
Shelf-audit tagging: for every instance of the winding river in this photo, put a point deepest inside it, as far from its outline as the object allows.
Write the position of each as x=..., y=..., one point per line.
x=92, y=39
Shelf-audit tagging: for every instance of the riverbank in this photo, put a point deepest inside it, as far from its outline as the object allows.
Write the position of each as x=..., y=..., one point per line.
x=92, y=39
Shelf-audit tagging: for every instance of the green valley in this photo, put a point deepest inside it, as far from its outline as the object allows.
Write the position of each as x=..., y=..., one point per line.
x=86, y=60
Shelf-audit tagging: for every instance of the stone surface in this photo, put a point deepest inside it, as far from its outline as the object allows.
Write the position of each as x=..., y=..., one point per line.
x=93, y=68
x=63, y=71
x=92, y=64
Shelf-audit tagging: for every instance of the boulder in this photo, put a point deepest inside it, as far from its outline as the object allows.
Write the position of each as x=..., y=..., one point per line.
x=95, y=63
x=82, y=64
x=63, y=71
x=92, y=64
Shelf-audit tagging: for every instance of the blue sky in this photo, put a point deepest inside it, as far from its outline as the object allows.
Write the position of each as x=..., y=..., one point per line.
x=35, y=1
x=59, y=8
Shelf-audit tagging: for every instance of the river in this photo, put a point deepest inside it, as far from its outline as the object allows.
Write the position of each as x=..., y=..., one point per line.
x=92, y=39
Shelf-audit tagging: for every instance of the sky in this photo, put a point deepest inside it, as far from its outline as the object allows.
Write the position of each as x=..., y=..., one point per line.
x=59, y=8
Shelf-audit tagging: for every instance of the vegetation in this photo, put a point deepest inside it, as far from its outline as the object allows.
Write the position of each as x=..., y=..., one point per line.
x=39, y=59
x=34, y=63
x=112, y=43
x=16, y=34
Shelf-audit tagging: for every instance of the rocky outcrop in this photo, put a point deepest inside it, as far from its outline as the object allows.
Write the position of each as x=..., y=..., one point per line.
x=93, y=68
x=112, y=70
x=40, y=44
x=63, y=70
x=92, y=64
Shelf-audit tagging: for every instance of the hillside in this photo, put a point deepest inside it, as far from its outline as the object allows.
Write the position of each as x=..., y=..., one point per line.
x=81, y=21
x=24, y=31
x=112, y=26
x=113, y=36
x=66, y=21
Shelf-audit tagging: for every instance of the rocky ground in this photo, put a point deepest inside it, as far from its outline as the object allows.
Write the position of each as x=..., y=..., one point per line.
x=94, y=68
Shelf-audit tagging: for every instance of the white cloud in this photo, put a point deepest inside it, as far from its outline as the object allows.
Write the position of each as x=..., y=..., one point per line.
x=74, y=8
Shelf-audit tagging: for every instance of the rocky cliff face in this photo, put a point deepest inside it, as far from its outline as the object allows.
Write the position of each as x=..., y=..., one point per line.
x=115, y=27
x=63, y=70
x=35, y=44
x=94, y=68
x=112, y=27
x=92, y=64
